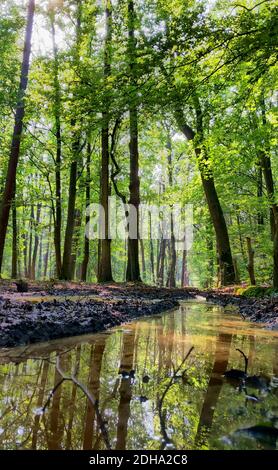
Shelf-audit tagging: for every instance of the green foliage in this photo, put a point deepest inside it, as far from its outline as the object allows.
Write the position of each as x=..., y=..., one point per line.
x=257, y=291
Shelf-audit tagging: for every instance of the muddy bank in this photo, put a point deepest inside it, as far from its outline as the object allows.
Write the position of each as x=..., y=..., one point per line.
x=34, y=317
x=263, y=310
x=57, y=310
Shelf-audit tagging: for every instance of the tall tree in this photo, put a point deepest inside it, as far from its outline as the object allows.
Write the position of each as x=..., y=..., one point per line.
x=66, y=270
x=104, y=264
x=133, y=266
x=58, y=135
x=17, y=132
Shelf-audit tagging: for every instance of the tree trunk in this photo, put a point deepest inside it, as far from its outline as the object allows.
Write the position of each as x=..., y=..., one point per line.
x=14, y=247
x=104, y=264
x=260, y=195
x=46, y=256
x=32, y=222
x=184, y=270
x=66, y=272
x=88, y=200
x=9, y=189
x=227, y=274
x=36, y=243
x=237, y=276
x=171, y=281
x=251, y=254
x=151, y=248
x=265, y=162
x=58, y=136
x=40, y=257
x=142, y=249
x=133, y=267
x=160, y=267
x=75, y=241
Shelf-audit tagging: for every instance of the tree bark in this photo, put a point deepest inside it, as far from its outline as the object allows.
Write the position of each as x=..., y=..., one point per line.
x=104, y=264
x=58, y=136
x=265, y=162
x=17, y=132
x=32, y=222
x=227, y=274
x=66, y=272
x=171, y=281
x=88, y=200
x=133, y=267
x=184, y=270
x=36, y=243
x=75, y=241
x=15, y=238
x=151, y=248
x=251, y=254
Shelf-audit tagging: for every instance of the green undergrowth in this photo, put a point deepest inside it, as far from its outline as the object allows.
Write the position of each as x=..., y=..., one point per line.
x=257, y=291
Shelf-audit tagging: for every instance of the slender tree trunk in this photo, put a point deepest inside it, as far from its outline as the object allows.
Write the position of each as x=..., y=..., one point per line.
x=237, y=276
x=75, y=241
x=15, y=238
x=40, y=257
x=32, y=222
x=260, y=195
x=265, y=162
x=58, y=136
x=133, y=267
x=151, y=248
x=251, y=254
x=46, y=256
x=160, y=268
x=184, y=270
x=88, y=200
x=9, y=189
x=227, y=275
x=66, y=272
x=171, y=281
x=142, y=249
x=104, y=265
x=36, y=243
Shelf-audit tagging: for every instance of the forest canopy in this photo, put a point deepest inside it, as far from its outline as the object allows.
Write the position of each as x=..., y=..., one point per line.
x=150, y=102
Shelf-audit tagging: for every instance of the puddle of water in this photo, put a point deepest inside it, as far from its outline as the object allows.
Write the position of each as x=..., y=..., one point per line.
x=199, y=411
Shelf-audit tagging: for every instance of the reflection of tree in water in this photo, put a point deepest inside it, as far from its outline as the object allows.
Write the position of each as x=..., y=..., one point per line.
x=95, y=363
x=127, y=364
x=72, y=405
x=41, y=393
x=222, y=352
x=54, y=427
x=154, y=351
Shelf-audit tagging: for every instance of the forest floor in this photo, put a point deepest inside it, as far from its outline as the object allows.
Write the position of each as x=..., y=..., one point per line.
x=56, y=310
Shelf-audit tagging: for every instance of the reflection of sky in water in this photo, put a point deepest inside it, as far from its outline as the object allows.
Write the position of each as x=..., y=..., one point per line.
x=201, y=409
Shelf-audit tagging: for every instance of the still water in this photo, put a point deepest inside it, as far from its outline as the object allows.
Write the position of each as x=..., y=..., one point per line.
x=147, y=409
